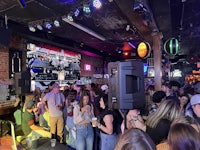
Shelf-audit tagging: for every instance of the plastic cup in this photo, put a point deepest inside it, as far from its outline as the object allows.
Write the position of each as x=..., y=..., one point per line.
x=19, y=138
x=94, y=119
x=53, y=142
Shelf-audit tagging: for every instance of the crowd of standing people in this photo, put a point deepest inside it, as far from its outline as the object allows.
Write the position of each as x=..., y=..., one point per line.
x=170, y=120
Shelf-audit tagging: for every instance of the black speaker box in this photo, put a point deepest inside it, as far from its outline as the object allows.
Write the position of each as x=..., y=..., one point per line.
x=5, y=35
x=126, y=85
x=22, y=82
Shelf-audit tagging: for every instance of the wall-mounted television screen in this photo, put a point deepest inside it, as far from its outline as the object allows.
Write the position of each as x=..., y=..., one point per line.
x=145, y=68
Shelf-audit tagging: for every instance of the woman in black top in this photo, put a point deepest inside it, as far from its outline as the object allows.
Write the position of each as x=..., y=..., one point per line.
x=106, y=125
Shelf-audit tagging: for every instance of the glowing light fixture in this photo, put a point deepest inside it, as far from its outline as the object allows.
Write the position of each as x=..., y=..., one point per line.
x=61, y=76
x=97, y=4
x=132, y=45
x=39, y=27
x=125, y=53
x=144, y=49
x=119, y=51
x=32, y=29
x=171, y=46
x=56, y=23
x=70, y=18
x=76, y=12
x=86, y=9
x=48, y=25
x=176, y=73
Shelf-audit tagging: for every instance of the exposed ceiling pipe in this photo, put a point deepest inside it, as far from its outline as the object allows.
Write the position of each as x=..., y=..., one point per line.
x=85, y=29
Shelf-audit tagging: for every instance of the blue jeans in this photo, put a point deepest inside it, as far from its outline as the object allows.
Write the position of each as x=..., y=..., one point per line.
x=84, y=137
x=71, y=140
x=108, y=142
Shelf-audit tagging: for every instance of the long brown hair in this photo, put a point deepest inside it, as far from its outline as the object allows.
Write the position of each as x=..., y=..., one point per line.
x=84, y=93
x=135, y=139
x=183, y=137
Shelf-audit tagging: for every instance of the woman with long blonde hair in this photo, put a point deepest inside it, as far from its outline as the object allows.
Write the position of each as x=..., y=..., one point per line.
x=158, y=123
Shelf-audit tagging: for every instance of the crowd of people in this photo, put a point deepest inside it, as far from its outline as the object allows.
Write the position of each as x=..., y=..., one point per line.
x=169, y=121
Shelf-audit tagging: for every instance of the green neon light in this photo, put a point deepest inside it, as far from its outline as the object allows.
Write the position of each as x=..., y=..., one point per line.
x=170, y=46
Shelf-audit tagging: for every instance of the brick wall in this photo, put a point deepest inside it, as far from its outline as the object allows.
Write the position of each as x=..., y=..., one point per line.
x=4, y=65
x=17, y=43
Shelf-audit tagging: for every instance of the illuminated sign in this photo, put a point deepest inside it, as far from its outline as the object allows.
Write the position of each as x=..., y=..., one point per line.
x=176, y=73
x=143, y=49
x=87, y=67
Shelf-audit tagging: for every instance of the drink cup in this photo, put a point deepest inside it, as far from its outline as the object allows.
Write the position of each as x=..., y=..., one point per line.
x=53, y=142
x=19, y=138
x=94, y=119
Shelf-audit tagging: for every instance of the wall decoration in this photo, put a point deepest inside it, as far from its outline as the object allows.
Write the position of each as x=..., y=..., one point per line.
x=15, y=62
x=144, y=50
x=171, y=46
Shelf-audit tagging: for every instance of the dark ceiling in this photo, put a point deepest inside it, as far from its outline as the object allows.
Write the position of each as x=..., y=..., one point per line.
x=116, y=23
x=179, y=19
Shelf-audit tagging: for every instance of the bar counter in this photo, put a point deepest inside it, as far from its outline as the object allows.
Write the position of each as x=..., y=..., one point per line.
x=7, y=107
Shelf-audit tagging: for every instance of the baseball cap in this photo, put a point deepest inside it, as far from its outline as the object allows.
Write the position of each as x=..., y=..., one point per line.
x=104, y=87
x=79, y=82
x=55, y=85
x=30, y=104
x=195, y=99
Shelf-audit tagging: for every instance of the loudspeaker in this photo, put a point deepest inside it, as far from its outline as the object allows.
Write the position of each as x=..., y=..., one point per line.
x=5, y=36
x=22, y=82
x=126, y=85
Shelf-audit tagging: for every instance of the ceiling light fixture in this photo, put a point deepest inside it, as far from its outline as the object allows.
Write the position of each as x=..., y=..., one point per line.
x=70, y=18
x=48, y=25
x=131, y=44
x=86, y=8
x=97, y=4
x=76, y=12
x=120, y=51
x=31, y=28
x=39, y=27
x=85, y=29
x=56, y=23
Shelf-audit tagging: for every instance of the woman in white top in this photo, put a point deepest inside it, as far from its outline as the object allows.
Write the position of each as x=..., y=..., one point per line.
x=83, y=113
